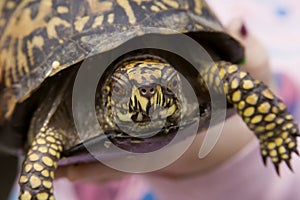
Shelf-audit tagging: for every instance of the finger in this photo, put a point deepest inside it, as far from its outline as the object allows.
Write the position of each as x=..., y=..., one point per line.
x=88, y=172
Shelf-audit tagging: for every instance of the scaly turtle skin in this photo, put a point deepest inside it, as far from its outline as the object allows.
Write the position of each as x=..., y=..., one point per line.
x=41, y=40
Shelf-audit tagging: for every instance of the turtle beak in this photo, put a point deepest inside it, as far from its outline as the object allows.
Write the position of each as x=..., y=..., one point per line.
x=145, y=102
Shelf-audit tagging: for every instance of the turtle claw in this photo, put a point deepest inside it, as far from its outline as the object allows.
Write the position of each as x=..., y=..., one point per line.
x=288, y=163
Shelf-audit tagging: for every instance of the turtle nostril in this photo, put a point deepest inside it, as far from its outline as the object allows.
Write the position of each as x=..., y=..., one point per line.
x=147, y=91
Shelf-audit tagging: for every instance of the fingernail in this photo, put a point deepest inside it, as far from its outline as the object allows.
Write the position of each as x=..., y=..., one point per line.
x=243, y=30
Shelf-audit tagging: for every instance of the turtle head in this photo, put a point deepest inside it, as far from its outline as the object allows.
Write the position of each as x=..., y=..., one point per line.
x=143, y=96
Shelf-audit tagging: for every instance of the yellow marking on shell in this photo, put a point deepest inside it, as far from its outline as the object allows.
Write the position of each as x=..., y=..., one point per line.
x=248, y=112
x=128, y=10
x=100, y=6
x=45, y=173
x=248, y=84
x=42, y=196
x=62, y=9
x=54, y=22
x=35, y=181
x=154, y=8
x=161, y=5
x=98, y=21
x=198, y=6
x=264, y=107
x=242, y=75
x=36, y=42
x=80, y=23
x=270, y=117
x=26, y=195
x=47, y=161
x=171, y=3
x=23, y=179
x=33, y=157
x=10, y=5
x=47, y=184
x=28, y=167
x=38, y=167
x=234, y=83
x=267, y=93
x=232, y=68
x=111, y=18
x=270, y=126
x=256, y=119
x=241, y=105
x=252, y=99
x=236, y=96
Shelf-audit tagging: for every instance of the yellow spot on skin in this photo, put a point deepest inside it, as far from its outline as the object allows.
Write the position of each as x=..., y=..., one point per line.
x=236, y=96
x=28, y=167
x=222, y=73
x=52, y=152
x=43, y=149
x=47, y=161
x=52, y=174
x=248, y=84
x=275, y=110
x=291, y=145
x=10, y=5
x=270, y=126
x=273, y=153
x=285, y=156
x=271, y=145
x=288, y=117
x=270, y=134
x=54, y=146
x=23, y=179
x=274, y=159
x=62, y=9
x=264, y=107
x=241, y=105
x=281, y=106
x=232, y=69
x=45, y=173
x=198, y=6
x=226, y=88
x=234, y=83
x=41, y=141
x=284, y=135
x=264, y=152
x=47, y=184
x=267, y=93
x=281, y=150
x=270, y=117
x=242, y=75
x=42, y=196
x=38, y=167
x=249, y=111
x=50, y=139
x=33, y=157
x=35, y=181
x=80, y=23
x=26, y=196
x=252, y=99
x=128, y=10
x=256, y=119
x=259, y=129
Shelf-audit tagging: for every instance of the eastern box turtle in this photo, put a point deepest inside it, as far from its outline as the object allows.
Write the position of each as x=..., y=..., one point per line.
x=43, y=43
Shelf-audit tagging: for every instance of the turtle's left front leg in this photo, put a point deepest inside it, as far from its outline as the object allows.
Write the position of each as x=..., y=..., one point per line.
x=264, y=113
x=36, y=180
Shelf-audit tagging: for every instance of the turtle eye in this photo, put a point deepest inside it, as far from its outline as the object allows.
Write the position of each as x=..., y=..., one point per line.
x=173, y=84
x=118, y=90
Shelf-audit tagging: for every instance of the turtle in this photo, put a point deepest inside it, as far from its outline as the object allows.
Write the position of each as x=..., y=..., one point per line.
x=43, y=44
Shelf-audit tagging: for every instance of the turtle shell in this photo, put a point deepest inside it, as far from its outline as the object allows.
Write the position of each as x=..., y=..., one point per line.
x=41, y=38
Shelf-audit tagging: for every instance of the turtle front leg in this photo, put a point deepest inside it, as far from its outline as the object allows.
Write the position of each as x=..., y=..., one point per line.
x=261, y=110
x=36, y=180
